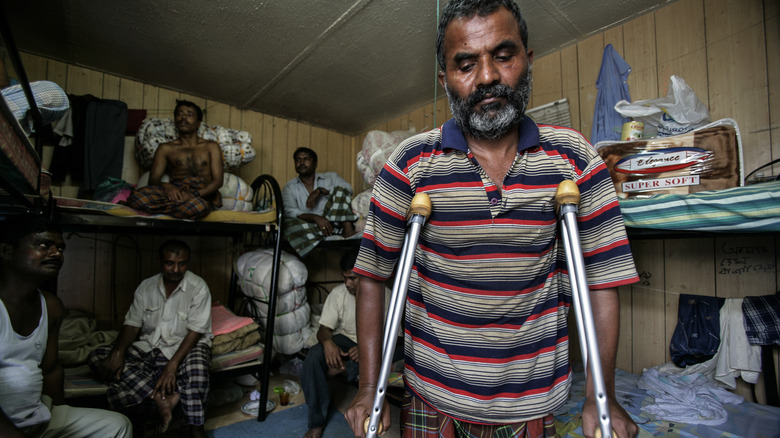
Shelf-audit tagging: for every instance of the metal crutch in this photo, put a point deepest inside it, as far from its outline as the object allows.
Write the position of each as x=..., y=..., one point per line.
x=419, y=210
x=567, y=199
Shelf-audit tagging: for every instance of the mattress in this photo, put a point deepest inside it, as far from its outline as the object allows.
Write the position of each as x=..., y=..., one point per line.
x=84, y=206
x=754, y=208
x=744, y=419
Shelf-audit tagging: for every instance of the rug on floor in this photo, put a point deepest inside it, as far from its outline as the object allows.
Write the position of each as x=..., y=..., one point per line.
x=290, y=423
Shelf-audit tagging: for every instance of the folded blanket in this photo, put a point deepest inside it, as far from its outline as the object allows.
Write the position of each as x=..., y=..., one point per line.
x=224, y=321
x=238, y=340
x=78, y=337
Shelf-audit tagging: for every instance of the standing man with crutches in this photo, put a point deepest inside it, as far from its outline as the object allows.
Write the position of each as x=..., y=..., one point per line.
x=486, y=336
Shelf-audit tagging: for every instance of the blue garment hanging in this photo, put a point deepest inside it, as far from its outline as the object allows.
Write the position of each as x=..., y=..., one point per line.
x=612, y=87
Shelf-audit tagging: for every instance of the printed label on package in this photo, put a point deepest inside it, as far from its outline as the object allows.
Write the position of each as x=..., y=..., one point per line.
x=662, y=183
x=662, y=160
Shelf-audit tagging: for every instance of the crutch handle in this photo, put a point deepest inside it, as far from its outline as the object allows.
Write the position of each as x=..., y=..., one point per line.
x=598, y=433
x=421, y=204
x=380, y=427
x=567, y=193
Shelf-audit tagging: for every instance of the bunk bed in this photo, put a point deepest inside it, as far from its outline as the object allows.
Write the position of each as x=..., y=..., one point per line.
x=25, y=186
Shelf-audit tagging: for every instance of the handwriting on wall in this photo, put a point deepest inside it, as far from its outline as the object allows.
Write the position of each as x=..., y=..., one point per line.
x=747, y=259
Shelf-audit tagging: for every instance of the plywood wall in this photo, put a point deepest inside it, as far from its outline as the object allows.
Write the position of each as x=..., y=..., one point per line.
x=728, y=51
x=102, y=270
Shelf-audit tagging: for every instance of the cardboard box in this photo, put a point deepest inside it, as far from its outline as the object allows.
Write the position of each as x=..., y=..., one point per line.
x=708, y=158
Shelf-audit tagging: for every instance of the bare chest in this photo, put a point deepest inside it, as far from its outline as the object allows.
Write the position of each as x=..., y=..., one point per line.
x=189, y=161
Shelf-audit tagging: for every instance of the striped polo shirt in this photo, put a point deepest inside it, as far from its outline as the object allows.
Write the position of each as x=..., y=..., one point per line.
x=486, y=338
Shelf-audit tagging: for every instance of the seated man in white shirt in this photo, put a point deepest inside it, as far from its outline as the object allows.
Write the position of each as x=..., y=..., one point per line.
x=337, y=351
x=169, y=362
x=316, y=205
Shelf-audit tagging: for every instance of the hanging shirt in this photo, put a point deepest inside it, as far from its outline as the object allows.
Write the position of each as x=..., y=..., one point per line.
x=613, y=87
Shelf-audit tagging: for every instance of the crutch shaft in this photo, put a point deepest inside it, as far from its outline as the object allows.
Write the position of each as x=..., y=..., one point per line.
x=419, y=210
x=567, y=199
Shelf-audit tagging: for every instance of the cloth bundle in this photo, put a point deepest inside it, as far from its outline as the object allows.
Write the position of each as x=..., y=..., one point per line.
x=231, y=332
x=236, y=145
x=377, y=147
x=291, y=323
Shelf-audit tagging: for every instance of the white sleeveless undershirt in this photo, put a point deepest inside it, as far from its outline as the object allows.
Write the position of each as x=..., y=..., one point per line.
x=21, y=379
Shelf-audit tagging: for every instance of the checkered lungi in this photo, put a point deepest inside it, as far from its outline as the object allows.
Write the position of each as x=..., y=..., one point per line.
x=153, y=199
x=142, y=370
x=418, y=420
x=304, y=236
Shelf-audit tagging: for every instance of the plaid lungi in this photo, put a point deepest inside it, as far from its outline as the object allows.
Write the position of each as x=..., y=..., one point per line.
x=142, y=370
x=304, y=236
x=153, y=199
x=762, y=319
x=418, y=420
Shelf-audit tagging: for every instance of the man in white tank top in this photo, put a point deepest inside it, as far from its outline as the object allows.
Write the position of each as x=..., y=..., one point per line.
x=31, y=377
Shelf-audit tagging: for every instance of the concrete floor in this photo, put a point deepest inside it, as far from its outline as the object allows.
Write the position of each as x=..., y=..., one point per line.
x=342, y=393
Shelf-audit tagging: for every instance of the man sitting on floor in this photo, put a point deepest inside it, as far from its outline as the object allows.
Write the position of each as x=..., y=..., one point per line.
x=337, y=350
x=31, y=377
x=316, y=205
x=194, y=166
x=169, y=362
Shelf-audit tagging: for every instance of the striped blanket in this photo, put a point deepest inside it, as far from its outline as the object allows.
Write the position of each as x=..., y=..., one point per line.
x=753, y=208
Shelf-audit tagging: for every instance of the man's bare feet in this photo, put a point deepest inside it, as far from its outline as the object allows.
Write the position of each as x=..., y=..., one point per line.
x=349, y=230
x=313, y=433
x=165, y=408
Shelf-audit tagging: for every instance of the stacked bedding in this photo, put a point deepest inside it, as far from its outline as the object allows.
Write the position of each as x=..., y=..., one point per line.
x=291, y=323
x=236, y=339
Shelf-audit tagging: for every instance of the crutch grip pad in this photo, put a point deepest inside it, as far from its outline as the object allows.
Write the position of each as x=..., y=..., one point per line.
x=421, y=204
x=379, y=427
x=567, y=193
x=598, y=433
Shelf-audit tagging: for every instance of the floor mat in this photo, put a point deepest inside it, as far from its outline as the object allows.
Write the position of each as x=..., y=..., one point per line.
x=288, y=423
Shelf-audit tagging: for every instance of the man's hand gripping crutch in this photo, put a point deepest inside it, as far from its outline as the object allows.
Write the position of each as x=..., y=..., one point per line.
x=567, y=200
x=371, y=422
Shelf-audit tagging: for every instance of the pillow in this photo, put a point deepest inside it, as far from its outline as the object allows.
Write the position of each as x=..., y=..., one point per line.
x=236, y=145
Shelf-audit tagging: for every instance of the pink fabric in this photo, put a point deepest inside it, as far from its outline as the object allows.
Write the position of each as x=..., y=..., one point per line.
x=224, y=321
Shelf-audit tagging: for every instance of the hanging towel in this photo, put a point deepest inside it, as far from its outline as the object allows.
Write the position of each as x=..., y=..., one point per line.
x=612, y=87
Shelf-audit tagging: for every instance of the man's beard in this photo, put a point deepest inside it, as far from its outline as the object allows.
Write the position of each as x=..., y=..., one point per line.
x=493, y=121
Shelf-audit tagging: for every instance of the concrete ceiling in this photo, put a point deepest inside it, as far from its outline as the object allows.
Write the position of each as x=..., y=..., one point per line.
x=344, y=65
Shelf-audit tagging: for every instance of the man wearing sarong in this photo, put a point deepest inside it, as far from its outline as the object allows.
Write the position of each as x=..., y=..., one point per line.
x=194, y=166
x=163, y=352
x=316, y=205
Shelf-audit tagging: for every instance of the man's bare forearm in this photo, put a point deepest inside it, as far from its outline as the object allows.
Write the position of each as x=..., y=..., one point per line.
x=369, y=315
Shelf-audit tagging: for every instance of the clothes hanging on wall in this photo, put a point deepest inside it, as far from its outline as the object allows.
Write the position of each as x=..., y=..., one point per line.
x=696, y=337
x=96, y=150
x=104, y=143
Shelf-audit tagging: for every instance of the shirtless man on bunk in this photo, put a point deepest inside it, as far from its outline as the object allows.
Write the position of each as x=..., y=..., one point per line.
x=194, y=166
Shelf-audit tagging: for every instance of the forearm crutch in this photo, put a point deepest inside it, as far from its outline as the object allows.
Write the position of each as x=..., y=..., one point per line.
x=419, y=211
x=567, y=199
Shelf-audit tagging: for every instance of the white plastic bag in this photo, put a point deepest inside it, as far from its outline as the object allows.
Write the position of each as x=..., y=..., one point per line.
x=677, y=113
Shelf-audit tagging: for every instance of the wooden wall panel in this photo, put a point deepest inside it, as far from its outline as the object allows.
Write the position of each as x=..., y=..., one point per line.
x=547, y=86
x=648, y=303
x=681, y=47
x=745, y=266
x=639, y=52
x=625, y=357
x=737, y=70
x=570, y=84
x=772, y=29
x=728, y=51
x=589, y=54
